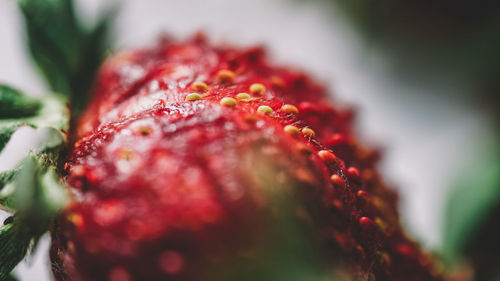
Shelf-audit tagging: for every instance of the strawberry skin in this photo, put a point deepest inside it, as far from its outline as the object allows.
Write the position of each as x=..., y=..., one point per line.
x=200, y=162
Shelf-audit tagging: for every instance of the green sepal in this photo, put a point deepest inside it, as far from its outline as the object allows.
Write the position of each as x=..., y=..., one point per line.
x=6, y=177
x=15, y=241
x=35, y=190
x=32, y=191
x=11, y=277
x=38, y=193
x=13, y=104
x=35, y=196
x=52, y=112
x=7, y=198
x=6, y=132
x=66, y=53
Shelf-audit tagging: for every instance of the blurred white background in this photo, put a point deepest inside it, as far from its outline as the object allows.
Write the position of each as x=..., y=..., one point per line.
x=426, y=135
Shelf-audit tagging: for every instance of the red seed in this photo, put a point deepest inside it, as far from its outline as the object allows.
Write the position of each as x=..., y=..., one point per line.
x=405, y=250
x=336, y=139
x=366, y=223
x=363, y=195
x=337, y=204
x=353, y=172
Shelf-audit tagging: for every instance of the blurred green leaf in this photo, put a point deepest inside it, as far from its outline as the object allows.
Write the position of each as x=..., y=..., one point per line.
x=471, y=220
x=286, y=247
x=15, y=242
x=6, y=177
x=53, y=117
x=51, y=112
x=469, y=207
x=429, y=41
x=36, y=191
x=6, y=131
x=67, y=53
x=11, y=277
x=32, y=191
x=14, y=104
x=36, y=196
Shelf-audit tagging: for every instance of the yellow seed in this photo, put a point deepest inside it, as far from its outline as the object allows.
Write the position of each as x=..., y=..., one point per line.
x=251, y=117
x=242, y=96
x=383, y=257
x=381, y=224
x=304, y=149
x=308, y=132
x=290, y=109
x=265, y=110
x=257, y=88
x=228, y=101
x=225, y=76
x=292, y=130
x=71, y=248
x=327, y=156
x=199, y=86
x=193, y=96
x=126, y=154
x=361, y=251
x=277, y=82
x=76, y=219
x=144, y=130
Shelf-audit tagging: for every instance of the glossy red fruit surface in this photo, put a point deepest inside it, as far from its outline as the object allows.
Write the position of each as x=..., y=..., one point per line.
x=201, y=162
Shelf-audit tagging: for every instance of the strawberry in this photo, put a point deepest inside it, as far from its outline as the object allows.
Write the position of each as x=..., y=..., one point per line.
x=201, y=162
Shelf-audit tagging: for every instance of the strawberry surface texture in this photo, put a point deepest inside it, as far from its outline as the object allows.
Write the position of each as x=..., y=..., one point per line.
x=199, y=162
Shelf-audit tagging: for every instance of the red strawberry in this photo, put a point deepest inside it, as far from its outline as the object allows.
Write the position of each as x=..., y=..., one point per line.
x=197, y=162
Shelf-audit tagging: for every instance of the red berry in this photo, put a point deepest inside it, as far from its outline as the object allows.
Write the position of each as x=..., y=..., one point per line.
x=353, y=172
x=169, y=188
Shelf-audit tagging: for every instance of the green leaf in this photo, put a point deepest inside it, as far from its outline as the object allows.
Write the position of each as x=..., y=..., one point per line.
x=52, y=112
x=11, y=277
x=13, y=104
x=6, y=177
x=67, y=53
x=32, y=191
x=36, y=196
x=6, y=132
x=15, y=241
x=37, y=192
x=7, y=202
